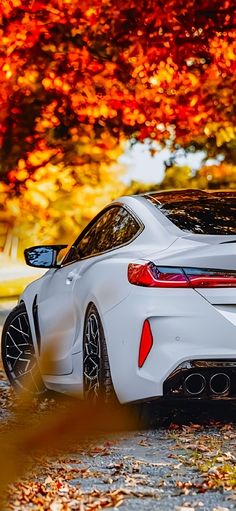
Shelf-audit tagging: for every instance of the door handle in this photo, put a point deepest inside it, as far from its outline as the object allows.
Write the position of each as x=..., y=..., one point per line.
x=70, y=277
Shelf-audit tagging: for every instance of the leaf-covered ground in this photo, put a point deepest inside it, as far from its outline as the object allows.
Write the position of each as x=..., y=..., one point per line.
x=185, y=464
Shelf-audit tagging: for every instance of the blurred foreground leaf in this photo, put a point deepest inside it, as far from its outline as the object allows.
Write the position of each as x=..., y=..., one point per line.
x=70, y=424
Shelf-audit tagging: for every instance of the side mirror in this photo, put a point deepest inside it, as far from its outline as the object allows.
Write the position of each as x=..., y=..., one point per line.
x=43, y=256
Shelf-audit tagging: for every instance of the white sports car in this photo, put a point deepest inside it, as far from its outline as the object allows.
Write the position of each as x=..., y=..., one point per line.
x=142, y=306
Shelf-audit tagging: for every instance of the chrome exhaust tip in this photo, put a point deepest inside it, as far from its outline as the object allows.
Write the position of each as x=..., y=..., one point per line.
x=219, y=383
x=194, y=384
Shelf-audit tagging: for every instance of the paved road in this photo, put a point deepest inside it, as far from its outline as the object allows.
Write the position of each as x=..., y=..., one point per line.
x=161, y=469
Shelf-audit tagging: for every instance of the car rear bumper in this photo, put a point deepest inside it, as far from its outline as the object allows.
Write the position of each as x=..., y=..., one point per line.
x=185, y=327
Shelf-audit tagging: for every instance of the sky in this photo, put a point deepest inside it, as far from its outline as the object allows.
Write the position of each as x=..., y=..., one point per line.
x=143, y=167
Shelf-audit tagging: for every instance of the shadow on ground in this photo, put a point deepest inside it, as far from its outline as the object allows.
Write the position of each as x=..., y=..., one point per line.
x=185, y=413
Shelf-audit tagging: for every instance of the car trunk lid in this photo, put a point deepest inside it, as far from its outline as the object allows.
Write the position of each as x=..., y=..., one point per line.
x=197, y=254
x=187, y=253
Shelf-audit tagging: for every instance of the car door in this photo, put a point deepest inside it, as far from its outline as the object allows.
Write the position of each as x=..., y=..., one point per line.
x=58, y=309
x=57, y=317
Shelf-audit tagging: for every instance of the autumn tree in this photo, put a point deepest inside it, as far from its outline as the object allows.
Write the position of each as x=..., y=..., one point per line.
x=80, y=78
x=208, y=177
x=164, y=70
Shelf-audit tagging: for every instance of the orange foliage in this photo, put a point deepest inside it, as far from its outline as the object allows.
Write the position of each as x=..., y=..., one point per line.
x=147, y=69
x=78, y=78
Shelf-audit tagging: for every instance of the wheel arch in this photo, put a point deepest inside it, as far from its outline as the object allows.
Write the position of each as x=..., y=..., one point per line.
x=29, y=306
x=106, y=380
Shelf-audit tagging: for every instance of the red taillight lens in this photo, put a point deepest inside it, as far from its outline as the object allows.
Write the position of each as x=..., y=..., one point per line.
x=150, y=275
x=146, y=343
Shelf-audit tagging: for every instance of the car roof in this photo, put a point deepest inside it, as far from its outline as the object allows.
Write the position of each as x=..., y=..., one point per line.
x=160, y=198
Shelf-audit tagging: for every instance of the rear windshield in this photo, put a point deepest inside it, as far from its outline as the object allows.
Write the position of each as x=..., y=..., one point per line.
x=205, y=215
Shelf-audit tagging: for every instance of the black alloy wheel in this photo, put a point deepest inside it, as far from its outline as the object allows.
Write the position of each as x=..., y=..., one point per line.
x=18, y=354
x=97, y=375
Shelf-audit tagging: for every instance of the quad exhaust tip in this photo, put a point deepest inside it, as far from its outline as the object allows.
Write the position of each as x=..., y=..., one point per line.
x=195, y=384
x=219, y=383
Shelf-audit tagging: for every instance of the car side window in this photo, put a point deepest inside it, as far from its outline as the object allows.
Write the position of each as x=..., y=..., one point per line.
x=112, y=229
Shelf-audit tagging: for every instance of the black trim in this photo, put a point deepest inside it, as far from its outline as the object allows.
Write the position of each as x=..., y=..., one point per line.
x=36, y=322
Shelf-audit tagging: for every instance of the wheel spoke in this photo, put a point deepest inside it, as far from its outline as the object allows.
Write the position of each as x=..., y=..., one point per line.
x=13, y=342
x=20, y=323
x=20, y=355
x=92, y=361
x=21, y=331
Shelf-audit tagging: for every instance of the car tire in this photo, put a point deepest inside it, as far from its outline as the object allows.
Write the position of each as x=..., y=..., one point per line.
x=98, y=384
x=18, y=353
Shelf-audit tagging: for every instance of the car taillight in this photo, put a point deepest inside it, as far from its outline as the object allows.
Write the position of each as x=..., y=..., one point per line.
x=146, y=343
x=210, y=278
x=150, y=275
